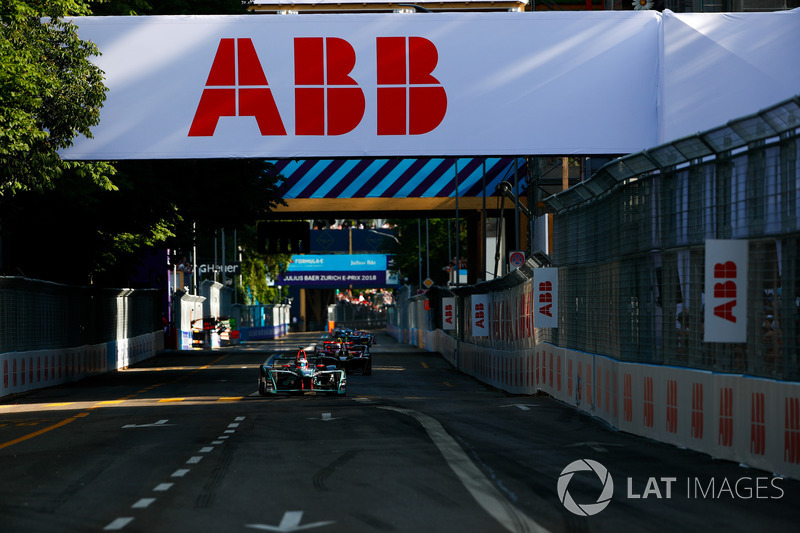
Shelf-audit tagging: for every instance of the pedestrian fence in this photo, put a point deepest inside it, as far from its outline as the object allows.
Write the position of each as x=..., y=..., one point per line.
x=52, y=333
x=657, y=330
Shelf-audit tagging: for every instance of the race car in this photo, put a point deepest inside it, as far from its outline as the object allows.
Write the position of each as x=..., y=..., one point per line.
x=357, y=358
x=299, y=374
x=345, y=355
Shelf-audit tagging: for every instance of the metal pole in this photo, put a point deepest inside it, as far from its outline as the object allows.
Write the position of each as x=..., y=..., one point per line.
x=224, y=251
x=483, y=220
x=235, y=251
x=458, y=234
x=449, y=247
x=516, y=204
x=195, y=273
x=427, y=251
x=419, y=250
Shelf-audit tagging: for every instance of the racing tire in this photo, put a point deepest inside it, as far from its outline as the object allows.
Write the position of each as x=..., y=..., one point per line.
x=262, y=387
x=368, y=368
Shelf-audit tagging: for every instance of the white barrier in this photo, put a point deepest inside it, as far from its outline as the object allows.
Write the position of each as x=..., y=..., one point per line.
x=749, y=420
x=37, y=369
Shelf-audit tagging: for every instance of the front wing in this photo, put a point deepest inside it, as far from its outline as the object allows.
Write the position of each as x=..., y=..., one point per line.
x=273, y=381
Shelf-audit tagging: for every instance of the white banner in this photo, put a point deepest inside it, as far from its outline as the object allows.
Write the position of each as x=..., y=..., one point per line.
x=726, y=291
x=356, y=85
x=479, y=315
x=545, y=298
x=726, y=64
x=448, y=313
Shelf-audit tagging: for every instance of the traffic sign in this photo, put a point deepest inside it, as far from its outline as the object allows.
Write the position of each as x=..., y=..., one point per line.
x=516, y=259
x=428, y=283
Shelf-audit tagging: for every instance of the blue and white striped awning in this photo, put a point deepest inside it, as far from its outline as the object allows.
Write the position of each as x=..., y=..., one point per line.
x=395, y=178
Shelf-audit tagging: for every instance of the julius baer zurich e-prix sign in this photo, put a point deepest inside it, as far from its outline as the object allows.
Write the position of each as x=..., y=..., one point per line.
x=339, y=271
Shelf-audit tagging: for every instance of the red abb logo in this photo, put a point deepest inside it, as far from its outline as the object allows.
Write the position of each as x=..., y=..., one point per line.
x=480, y=315
x=791, y=436
x=725, y=417
x=672, y=406
x=448, y=313
x=725, y=289
x=328, y=100
x=758, y=424
x=546, y=297
x=697, y=410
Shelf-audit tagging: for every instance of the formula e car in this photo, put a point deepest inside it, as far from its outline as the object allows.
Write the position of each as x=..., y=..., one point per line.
x=299, y=374
x=345, y=355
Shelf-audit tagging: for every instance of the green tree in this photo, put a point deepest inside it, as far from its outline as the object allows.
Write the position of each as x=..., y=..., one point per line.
x=81, y=228
x=50, y=93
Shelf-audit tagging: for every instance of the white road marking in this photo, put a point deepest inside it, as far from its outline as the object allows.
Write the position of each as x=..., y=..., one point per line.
x=180, y=472
x=239, y=418
x=160, y=423
x=216, y=442
x=163, y=487
x=518, y=406
x=223, y=437
x=206, y=449
x=326, y=417
x=230, y=431
x=143, y=503
x=290, y=522
x=118, y=524
x=194, y=460
x=233, y=425
x=484, y=492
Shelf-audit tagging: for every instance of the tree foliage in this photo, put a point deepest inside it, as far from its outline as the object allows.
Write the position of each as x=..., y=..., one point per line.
x=66, y=221
x=50, y=93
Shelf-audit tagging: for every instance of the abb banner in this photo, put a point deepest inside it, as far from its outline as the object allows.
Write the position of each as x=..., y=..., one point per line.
x=479, y=315
x=372, y=85
x=448, y=313
x=726, y=291
x=545, y=298
x=365, y=85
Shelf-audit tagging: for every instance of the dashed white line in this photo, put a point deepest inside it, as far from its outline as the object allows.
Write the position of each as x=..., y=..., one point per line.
x=163, y=487
x=206, y=449
x=194, y=459
x=216, y=442
x=238, y=418
x=118, y=524
x=233, y=425
x=143, y=503
x=180, y=472
x=230, y=431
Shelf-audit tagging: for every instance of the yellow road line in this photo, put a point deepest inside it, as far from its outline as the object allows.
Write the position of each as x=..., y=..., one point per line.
x=230, y=398
x=44, y=430
x=165, y=400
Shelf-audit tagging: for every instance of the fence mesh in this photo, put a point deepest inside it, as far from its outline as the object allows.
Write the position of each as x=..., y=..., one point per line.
x=38, y=315
x=631, y=264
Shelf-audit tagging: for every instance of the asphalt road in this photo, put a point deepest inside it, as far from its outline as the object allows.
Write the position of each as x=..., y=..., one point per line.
x=183, y=442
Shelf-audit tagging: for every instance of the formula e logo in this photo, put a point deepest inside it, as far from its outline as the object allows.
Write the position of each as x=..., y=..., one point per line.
x=588, y=509
x=328, y=100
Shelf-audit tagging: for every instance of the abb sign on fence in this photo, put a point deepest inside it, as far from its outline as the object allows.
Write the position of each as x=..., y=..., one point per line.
x=725, y=317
